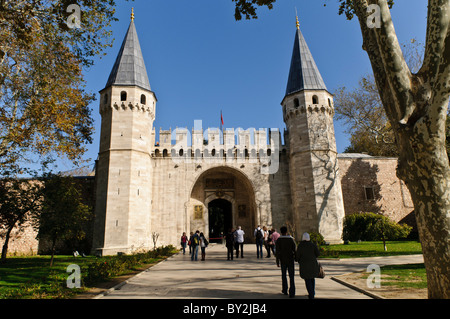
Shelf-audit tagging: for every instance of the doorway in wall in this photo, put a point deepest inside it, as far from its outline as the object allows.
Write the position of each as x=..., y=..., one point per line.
x=220, y=219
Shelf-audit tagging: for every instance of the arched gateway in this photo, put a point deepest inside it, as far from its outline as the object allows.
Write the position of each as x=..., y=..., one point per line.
x=222, y=198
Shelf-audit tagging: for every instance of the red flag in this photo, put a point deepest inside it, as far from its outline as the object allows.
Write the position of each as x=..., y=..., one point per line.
x=221, y=117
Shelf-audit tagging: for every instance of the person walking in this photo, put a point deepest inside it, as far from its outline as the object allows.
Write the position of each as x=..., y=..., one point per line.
x=239, y=241
x=183, y=242
x=203, y=244
x=275, y=236
x=307, y=253
x=285, y=257
x=190, y=243
x=195, y=240
x=267, y=240
x=229, y=242
x=259, y=238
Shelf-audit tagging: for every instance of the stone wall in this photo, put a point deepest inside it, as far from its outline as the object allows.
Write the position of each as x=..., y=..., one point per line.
x=25, y=242
x=178, y=187
x=22, y=242
x=370, y=184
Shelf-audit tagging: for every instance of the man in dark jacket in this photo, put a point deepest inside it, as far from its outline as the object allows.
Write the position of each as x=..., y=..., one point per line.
x=285, y=256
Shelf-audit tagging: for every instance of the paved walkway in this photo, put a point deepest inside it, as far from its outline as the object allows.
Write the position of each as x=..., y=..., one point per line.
x=242, y=278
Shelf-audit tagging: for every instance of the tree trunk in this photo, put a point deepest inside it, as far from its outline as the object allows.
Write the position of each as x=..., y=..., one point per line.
x=53, y=251
x=416, y=105
x=5, y=244
x=427, y=177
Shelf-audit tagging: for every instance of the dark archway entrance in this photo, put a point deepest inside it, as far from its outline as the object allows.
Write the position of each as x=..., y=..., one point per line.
x=220, y=218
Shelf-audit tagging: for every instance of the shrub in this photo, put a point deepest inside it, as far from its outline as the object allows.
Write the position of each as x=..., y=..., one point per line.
x=317, y=238
x=104, y=268
x=370, y=227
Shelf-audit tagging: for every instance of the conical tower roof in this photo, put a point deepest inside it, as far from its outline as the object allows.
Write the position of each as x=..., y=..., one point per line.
x=303, y=74
x=129, y=68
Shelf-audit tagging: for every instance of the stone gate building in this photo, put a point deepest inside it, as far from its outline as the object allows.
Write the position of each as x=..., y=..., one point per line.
x=211, y=179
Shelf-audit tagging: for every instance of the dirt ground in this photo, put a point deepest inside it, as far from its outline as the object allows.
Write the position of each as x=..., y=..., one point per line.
x=387, y=292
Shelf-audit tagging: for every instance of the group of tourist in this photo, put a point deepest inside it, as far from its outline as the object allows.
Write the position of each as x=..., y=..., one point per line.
x=283, y=247
x=234, y=240
x=195, y=241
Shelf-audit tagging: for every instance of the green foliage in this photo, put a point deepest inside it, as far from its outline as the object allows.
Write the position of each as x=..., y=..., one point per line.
x=33, y=278
x=104, y=268
x=371, y=249
x=370, y=226
x=248, y=8
x=64, y=215
x=44, y=105
x=317, y=238
x=19, y=199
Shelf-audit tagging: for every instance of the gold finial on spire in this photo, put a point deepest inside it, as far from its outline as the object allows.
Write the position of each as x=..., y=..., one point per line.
x=132, y=14
x=298, y=23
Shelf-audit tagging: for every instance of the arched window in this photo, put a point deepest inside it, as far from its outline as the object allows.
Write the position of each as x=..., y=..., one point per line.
x=123, y=96
x=143, y=99
x=315, y=99
x=329, y=102
x=296, y=103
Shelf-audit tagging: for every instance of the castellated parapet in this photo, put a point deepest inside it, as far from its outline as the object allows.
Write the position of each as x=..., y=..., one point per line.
x=214, y=146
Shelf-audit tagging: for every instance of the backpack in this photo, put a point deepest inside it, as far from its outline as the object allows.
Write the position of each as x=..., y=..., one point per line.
x=195, y=240
x=259, y=234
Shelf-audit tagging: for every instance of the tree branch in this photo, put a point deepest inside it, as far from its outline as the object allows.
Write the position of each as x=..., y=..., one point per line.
x=437, y=32
x=370, y=45
x=398, y=73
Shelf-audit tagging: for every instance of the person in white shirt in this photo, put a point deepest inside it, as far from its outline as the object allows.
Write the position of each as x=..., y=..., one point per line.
x=239, y=240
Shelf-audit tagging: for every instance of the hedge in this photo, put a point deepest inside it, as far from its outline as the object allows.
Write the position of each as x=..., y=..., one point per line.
x=372, y=227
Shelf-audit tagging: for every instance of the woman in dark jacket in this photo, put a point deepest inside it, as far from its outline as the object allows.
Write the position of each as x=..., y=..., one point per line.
x=307, y=253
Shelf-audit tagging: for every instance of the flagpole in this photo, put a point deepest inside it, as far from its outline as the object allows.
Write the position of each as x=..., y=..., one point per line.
x=221, y=121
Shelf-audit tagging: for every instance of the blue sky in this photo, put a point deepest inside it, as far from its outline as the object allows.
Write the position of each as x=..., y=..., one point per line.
x=201, y=61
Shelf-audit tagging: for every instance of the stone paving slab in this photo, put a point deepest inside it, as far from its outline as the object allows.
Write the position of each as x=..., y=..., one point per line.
x=242, y=278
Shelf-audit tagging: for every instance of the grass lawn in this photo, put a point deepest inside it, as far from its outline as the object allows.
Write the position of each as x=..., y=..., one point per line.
x=33, y=278
x=404, y=276
x=371, y=249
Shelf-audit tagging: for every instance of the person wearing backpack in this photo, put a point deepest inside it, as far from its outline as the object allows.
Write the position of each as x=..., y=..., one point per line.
x=195, y=240
x=259, y=237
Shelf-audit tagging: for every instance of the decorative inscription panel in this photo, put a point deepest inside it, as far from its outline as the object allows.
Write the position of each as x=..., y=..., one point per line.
x=219, y=183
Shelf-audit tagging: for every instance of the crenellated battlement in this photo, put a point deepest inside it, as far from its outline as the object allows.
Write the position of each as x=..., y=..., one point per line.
x=125, y=106
x=310, y=108
x=214, y=139
x=216, y=146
